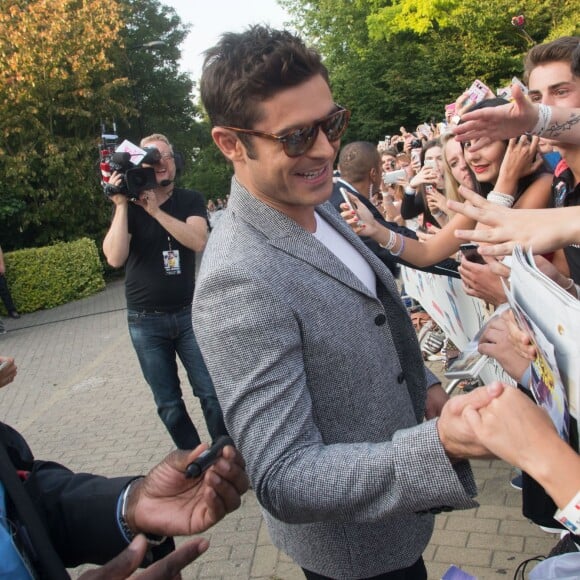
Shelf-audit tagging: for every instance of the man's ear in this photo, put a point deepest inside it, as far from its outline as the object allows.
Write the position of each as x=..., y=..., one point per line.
x=229, y=144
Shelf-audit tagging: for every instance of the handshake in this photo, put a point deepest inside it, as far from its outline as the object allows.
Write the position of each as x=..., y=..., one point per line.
x=499, y=420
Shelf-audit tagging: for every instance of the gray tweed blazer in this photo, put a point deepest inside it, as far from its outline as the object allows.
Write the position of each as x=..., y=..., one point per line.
x=323, y=390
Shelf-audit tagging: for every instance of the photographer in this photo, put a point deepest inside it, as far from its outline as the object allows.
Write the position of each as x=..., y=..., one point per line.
x=156, y=236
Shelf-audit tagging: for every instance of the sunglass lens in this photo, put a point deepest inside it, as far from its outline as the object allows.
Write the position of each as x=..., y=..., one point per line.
x=336, y=125
x=298, y=142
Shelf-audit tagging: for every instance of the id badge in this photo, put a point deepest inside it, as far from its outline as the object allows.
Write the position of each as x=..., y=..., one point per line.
x=171, y=262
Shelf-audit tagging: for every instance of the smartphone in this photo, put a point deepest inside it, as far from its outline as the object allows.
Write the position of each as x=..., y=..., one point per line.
x=471, y=254
x=416, y=156
x=477, y=92
x=4, y=364
x=432, y=164
x=394, y=176
x=344, y=194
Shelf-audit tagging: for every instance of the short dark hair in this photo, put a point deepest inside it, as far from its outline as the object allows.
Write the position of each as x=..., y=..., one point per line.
x=576, y=61
x=559, y=50
x=249, y=67
x=356, y=160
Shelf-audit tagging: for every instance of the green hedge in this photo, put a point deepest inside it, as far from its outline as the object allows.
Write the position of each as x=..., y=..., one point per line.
x=41, y=278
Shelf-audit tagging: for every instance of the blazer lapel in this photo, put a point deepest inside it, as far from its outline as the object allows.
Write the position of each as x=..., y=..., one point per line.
x=285, y=234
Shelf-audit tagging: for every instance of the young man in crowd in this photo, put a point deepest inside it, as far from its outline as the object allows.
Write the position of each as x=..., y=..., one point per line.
x=312, y=353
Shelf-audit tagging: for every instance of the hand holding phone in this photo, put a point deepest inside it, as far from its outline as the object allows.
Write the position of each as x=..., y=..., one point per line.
x=346, y=198
x=471, y=254
x=394, y=176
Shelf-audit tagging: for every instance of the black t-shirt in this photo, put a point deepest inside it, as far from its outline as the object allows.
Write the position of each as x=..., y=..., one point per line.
x=565, y=194
x=148, y=285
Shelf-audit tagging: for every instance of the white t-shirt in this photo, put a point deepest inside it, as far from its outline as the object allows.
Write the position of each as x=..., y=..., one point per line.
x=346, y=253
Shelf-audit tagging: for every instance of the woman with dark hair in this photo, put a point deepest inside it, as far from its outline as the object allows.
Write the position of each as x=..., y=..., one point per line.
x=507, y=173
x=509, y=168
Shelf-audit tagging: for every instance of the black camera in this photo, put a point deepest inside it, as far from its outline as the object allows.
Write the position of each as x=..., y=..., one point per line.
x=416, y=144
x=135, y=177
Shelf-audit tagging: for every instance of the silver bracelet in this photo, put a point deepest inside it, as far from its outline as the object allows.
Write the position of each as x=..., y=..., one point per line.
x=498, y=198
x=401, y=249
x=544, y=118
x=390, y=242
x=152, y=540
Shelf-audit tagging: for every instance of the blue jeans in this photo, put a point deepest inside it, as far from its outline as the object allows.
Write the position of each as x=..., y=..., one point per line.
x=157, y=338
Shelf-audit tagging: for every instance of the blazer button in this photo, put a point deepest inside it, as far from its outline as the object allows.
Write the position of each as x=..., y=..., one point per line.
x=400, y=377
x=380, y=319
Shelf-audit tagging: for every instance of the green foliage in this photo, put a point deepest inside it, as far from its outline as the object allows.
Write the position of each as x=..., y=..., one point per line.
x=398, y=62
x=211, y=174
x=46, y=277
x=66, y=68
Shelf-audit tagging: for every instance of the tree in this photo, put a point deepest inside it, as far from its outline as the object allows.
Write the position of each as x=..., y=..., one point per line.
x=54, y=77
x=399, y=62
x=67, y=66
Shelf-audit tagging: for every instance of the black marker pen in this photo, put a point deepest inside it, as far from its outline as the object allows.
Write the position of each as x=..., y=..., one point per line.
x=208, y=457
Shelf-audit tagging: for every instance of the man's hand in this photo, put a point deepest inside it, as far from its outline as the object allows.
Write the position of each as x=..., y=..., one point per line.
x=167, y=503
x=544, y=230
x=148, y=201
x=436, y=399
x=497, y=123
x=512, y=427
x=8, y=372
x=131, y=557
x=116, y=181
x=496, y=343
x=457, y=436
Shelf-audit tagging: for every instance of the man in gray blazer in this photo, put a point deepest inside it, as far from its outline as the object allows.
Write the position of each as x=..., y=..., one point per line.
x=313, y=356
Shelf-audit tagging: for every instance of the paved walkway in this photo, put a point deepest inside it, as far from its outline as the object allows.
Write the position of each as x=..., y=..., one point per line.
x=79, y=398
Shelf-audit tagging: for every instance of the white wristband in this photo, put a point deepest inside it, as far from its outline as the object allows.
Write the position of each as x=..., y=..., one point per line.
x=544, y=118
x=569, y=516
x=499, y=198
x=390, y=242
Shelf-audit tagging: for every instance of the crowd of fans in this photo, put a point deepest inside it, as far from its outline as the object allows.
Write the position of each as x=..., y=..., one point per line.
x=501, y=164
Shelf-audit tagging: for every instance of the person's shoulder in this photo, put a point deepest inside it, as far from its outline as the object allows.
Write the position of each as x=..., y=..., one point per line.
x=186, y=193
x=16, y=445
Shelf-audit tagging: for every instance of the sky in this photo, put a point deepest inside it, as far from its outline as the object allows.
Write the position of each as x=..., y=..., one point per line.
x=210, y=18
